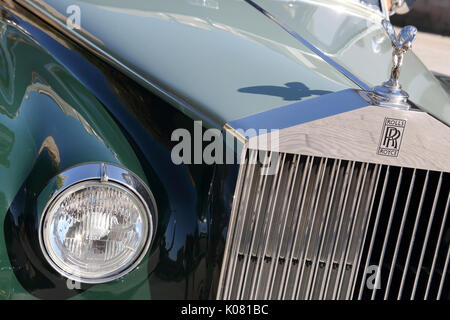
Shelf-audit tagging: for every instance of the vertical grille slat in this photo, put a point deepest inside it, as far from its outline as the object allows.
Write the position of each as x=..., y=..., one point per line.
x=425, y=243
x=260, y=258
x=255, y=219
x=372, y=240
x=399, y=237
x=295, y=262
x=416, y=224
x=286, y=209
x=351, y=231
x=325, y=219
x=241, y=216
x=224, y=275
x=441, y=284
x=265, y=256
x=271, y=242
x=441, y=232
x=324, y=228
x=336, y=232
x=366, y=223
x=391, y=217
x=342, y=236
x=295, y=228
x=306, y=267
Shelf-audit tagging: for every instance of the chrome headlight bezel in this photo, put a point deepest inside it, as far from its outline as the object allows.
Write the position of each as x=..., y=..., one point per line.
x=109, y=174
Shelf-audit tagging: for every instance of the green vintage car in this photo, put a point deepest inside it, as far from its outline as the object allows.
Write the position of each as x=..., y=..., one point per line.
x=219, y=149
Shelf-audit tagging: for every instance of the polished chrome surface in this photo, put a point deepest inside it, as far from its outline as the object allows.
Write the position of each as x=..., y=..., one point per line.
x=316, y=228
x=415, y=263
x=302, y=111
x=391, y=93
x=401, y=44
x=103, y=173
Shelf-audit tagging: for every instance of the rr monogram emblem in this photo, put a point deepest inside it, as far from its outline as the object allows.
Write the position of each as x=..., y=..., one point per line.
x=391, y=137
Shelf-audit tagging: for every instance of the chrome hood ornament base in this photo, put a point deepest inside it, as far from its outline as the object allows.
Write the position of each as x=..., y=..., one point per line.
x=390, y=93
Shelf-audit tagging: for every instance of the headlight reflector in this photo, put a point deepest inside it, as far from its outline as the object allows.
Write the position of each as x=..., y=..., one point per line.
x=95, y=231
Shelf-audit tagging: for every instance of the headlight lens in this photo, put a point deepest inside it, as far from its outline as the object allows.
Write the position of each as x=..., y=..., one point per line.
x=94, y=231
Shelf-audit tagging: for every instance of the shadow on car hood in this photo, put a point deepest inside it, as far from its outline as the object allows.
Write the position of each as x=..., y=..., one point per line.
x=226, y=60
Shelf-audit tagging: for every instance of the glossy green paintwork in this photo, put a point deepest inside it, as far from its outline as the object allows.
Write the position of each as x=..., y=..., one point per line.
x=211, y=54
x=206, y=55
x=45, y=110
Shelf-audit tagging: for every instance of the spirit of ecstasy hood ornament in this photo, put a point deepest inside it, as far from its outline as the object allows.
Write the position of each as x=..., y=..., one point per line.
x=391, y=93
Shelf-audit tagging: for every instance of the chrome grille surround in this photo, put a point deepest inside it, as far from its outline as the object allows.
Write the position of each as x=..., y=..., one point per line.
x=314, y=229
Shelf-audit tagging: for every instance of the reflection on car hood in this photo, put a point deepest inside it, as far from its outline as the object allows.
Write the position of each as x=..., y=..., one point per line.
x=228, y=61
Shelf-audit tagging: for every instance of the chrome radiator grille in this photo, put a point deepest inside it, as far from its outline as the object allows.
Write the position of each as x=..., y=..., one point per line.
x=316, y=229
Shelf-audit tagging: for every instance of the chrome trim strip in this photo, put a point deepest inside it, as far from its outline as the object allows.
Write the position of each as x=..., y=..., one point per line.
x=234, y=133
x=301, y=112
x=310, y=46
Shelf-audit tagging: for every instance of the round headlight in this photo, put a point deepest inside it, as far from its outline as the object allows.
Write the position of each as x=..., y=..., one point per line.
x=95, y=231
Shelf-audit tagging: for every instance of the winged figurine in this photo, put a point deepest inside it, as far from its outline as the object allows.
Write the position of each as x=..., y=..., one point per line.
x=401, y=44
